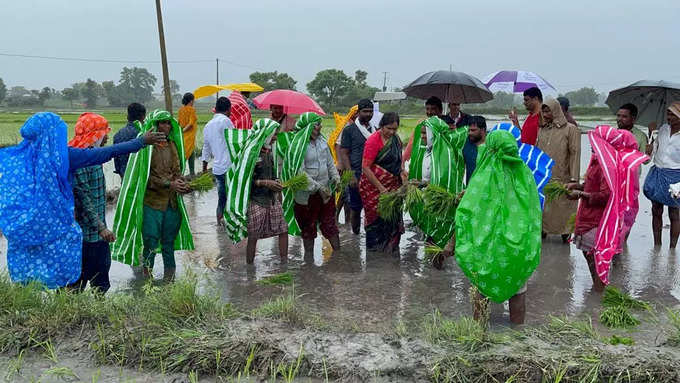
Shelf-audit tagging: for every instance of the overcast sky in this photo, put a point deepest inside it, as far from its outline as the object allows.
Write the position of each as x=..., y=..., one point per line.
x=571, y=43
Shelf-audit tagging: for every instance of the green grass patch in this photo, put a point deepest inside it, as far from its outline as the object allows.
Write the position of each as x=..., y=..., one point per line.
x=277, y=279
x=464, y=331
x=618, y=317
x=616, y=340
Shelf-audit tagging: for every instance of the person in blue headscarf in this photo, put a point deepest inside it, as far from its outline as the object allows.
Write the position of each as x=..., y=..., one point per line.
x=36, y=199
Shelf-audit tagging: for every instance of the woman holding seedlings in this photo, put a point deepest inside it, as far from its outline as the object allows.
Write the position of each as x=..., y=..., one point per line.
x=150, y=211
x=305, y=151
x=383, y=172
x=253, y=194
x=610, y=189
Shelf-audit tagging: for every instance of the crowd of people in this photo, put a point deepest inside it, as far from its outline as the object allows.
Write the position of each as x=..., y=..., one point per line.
x=53, y=192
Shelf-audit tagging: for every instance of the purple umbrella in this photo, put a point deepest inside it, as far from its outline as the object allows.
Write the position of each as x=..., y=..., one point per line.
x=517, y=81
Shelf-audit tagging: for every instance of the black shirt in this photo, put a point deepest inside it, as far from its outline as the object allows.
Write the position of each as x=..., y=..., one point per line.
x=353, y=140
x=464, y=119
x=264, y=170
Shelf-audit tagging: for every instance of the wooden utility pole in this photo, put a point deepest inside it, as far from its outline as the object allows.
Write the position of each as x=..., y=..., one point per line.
x=217, y=76
x=164, y=59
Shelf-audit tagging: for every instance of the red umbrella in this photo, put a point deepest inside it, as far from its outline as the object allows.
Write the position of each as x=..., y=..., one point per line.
x=293, y=102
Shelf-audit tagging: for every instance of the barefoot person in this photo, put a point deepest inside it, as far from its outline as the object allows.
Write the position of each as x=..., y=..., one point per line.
x=150, y=212
x=306, y=151
x=498, y=226
x=665, y=172
x=562, y=142
x=351, y=153
x=44, y=241
x=253, y=207
x=383, y=171
x=215, y=149
x=609, y=191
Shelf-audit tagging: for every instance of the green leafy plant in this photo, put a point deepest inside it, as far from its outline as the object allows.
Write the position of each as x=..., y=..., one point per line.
x=391, y=204
x=297, y=183
x=203, y=183
x=554, y=190
x=439, y=202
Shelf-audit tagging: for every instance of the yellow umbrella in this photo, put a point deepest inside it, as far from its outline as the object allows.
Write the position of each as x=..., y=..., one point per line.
x=207, y=90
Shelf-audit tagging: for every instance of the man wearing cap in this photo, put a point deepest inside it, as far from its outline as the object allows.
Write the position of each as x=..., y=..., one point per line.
x=351, y=155
x=664, y=173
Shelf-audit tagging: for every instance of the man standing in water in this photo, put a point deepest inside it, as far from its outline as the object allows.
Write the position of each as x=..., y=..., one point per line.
x=215, y=147
x=665, y=172
x=533, y=101
x=625, y=119
x=351, y=155
x=135, y=116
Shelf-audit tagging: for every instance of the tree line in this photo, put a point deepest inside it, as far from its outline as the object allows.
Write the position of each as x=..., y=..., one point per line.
x=332, y=88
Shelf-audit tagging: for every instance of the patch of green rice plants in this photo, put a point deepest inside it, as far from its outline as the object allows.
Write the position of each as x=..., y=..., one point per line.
x=464, y=331
x=576, y=329
x=277, y=279
x=614, y=297
x=414, y=197
x=674, y=333
x=616, y=340
x=618, y=317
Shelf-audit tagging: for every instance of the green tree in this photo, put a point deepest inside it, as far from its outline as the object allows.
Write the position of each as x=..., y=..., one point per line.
x=273, y=80
x=330, y=86
x=502, y=100
x=3, y=90
x=136, y=85
x=19, y=91
x=70, y=94
x=91, y=93
x=584, y=97
x=45, y=95
x=360, y=77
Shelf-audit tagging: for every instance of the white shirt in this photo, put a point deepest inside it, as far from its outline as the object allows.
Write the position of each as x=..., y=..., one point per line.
x=215, y=144
x=667, y=154
x=320, y=169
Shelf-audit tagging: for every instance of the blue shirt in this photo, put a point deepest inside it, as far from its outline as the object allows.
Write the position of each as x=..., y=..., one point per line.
x=80, y=158
x=129, y=132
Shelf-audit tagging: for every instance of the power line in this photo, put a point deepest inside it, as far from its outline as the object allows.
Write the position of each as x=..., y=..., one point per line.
x=123, y=61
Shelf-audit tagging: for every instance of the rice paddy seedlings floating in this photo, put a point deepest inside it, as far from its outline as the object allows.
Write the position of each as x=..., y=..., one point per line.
x=554, y=190
x=614, y=297
x=277, y=279
x=345, y=179
x=203, y=183
x=439, y=202
x=297, y=183
x=391, y=204
x=616, y=340
x=618, y=317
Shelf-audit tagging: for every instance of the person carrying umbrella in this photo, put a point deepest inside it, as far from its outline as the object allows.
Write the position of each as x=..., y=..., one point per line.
x=533, y=101
x=664, y=173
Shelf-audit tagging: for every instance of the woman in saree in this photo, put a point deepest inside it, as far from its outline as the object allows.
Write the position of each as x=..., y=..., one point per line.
x=383, y=172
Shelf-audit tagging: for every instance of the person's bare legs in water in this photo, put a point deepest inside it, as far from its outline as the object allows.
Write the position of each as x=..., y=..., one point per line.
x=657, y=223
x=251, y=248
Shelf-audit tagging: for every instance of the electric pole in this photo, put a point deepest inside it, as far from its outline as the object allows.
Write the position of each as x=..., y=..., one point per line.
x=384, y=81
x=164, y=59
x=217, y=76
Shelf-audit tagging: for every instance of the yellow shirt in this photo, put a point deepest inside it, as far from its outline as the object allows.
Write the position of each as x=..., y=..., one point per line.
x=187, y=116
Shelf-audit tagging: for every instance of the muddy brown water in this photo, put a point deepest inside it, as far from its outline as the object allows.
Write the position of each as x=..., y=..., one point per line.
x=372, y=292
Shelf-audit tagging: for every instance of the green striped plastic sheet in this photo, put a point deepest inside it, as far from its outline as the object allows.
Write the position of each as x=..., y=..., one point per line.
x=127, y=222
x=498, y=221
x=446, y=170
x=244, y=148
x=292, y=147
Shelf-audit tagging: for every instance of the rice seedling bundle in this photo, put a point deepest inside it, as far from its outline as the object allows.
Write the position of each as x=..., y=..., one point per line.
x=391, y=204
x=554, y=190
x=203, y=183
x=345, y=179
x=414, y=196
x=439, y=202
x=618, y=317
x=297, y=183
x=613, y=297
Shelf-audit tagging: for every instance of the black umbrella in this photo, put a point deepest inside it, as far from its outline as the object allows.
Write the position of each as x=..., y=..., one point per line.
x=449, y=86
x=652, y=98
